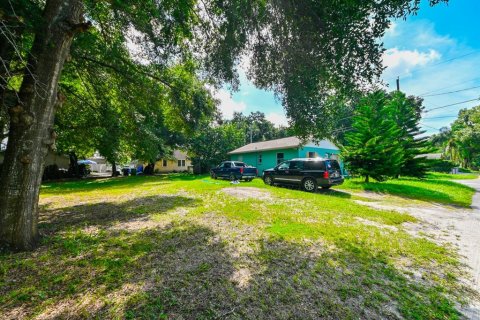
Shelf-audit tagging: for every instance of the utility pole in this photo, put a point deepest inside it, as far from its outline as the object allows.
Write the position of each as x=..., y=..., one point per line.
x=398, y=83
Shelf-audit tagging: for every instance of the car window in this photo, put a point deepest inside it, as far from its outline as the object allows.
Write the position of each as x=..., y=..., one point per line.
x=227, y=165
x=284, y=166
x=296, y=165
x=221, y=165
x=240, y=164
x=333, y=165
x=315, y=165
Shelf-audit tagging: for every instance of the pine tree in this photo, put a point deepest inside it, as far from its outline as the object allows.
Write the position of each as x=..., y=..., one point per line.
x=408, y=112
x=373, y=147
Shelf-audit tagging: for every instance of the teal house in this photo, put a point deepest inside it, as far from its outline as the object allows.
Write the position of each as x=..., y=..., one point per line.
x=267, y=154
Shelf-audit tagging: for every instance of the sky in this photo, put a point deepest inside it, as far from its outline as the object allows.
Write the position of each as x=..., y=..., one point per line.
x=434, y=53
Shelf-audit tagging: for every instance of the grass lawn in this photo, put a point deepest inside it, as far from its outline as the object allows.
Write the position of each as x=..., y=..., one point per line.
x=184, y=247
x=447, y=176
x=436, y=188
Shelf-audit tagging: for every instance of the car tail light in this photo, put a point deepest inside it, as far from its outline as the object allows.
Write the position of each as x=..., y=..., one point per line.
x=326, y=175
x=241, y=169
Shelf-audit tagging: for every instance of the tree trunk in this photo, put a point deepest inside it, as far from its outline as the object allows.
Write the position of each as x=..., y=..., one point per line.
x=114, y=169
x=367, y=179
x=31, y=121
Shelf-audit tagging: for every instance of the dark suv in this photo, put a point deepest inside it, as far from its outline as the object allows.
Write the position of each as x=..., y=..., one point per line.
x=308, y=173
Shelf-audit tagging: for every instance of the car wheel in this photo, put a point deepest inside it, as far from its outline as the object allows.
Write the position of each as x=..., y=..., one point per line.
x=214, y=176
x=309, y=185
x=232, y=177
x=268, y=180
x=326, y=187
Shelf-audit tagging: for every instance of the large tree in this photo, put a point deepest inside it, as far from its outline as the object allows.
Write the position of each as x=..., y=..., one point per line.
x=303, y=50
x=255, y=127
x=464, y=144
x=210, y=145
x=407, y=113
x=374, y=147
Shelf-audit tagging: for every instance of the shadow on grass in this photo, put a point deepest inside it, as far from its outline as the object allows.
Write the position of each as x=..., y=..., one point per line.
x=106, y=214
x=186, y=271
x=65, y=187
x=335, y=193
x=327, y=192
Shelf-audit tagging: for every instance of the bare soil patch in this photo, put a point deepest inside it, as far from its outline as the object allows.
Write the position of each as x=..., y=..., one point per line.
x=247, y=193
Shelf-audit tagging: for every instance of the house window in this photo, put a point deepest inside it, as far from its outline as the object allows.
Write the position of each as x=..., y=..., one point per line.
x=164, y=163
x=280, y=157
x=311, y=154
x=259, y=160
x=181, y=163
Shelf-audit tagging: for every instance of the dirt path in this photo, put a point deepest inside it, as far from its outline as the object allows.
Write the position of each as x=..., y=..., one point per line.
x=470, y=229
x=458, y=227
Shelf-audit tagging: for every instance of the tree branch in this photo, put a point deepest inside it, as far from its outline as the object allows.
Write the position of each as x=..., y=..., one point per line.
x=121, y=72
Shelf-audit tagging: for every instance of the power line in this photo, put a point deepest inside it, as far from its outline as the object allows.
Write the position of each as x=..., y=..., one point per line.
x=447, y=87
x=440, y=117
x=453, y=104
x=444, y=93
x=423, y=124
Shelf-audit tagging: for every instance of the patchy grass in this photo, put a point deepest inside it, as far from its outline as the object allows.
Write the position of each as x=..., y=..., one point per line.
x=176, y=247
x=437, y=188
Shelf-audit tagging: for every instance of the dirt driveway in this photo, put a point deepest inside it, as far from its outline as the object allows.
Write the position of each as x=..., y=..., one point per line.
x=446, y=225
x=470, y=232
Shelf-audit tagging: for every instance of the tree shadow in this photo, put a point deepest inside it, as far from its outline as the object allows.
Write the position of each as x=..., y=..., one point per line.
x=106, y=214
x=66, y=187
x=327, y=192
x=187, y=271
x=334, y=193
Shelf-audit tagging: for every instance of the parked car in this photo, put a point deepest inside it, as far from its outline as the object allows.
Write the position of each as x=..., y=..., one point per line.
x=308, y=173
x=234, y=170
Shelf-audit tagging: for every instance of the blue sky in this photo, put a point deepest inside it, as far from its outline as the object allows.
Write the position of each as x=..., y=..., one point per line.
x=434, y=52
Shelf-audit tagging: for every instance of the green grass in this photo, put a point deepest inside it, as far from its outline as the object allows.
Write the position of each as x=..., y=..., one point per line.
x=436, y=188
x=447, y=176
x=180, y=246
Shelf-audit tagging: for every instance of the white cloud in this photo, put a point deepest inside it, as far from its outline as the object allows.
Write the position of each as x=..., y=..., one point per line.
x=392, y=31
x=401, y=62
x=430, y=62
x=227, y=105
x=279, y=119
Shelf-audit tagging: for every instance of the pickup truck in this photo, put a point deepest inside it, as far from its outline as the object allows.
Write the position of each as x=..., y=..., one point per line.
x=234, y=170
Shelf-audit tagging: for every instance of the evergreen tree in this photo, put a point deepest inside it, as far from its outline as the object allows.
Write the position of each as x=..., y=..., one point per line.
x=373, y=147
x=407, y=114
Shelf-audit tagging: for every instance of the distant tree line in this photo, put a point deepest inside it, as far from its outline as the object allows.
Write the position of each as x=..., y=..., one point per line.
x=460, y=143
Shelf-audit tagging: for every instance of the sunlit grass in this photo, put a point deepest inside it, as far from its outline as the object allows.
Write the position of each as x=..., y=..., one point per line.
x=169, y=246
x=437, y=189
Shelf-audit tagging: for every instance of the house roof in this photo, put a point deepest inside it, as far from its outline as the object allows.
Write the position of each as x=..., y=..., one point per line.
x=284, y=143
x=431, y=156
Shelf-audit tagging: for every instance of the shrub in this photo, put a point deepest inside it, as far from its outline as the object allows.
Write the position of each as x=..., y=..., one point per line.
x=438, y=165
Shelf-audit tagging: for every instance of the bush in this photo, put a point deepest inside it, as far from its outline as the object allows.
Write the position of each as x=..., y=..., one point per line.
x=437, y=165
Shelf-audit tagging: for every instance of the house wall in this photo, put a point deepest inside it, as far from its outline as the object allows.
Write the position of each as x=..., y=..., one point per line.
x=320, y=152
x=62, y=161
x=269, y=158
x=172, y=165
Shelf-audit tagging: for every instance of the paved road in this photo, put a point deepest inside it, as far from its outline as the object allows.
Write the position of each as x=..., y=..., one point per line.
x=470, y=231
